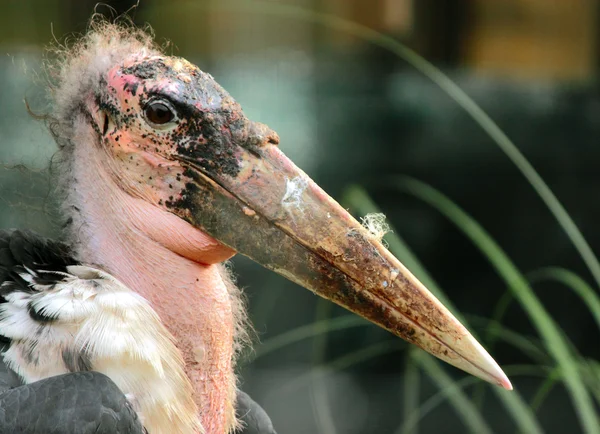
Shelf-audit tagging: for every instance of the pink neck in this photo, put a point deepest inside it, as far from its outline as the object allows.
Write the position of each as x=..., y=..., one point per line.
x=191, y=299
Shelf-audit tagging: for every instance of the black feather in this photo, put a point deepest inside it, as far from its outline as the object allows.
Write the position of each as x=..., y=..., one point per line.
x=61, y=404
x=25, y=252
x=255, y=420
x=40, y=315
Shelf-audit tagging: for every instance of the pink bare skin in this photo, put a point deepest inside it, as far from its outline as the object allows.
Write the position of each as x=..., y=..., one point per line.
x=120, y=189
x=172, y=265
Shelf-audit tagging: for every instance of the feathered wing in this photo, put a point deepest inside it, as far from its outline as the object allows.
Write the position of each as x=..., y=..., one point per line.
x=62, y=317
x=60, y=323
x=61, y=404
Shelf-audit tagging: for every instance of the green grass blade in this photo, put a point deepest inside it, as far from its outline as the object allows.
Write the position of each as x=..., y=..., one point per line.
x=468, y=413
x=346, y=361
x=573, y=281
x=499, y=311
x=532, y=348
x=409, y=423
x=308, y=331
x=544, y=323
x=412, y=395
x=545, y=388
x=591, y=369
x=438, y=398
x=569, y=279
x=318, y=392
x=559, y=274
x=357, y=199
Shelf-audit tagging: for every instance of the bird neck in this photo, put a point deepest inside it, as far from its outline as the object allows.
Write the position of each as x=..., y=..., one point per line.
x=110, y=229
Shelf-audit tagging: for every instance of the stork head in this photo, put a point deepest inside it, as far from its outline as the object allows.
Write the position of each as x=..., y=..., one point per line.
x=171, y=136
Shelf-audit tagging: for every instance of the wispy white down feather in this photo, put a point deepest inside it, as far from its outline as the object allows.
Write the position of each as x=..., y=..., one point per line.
x=376, y=225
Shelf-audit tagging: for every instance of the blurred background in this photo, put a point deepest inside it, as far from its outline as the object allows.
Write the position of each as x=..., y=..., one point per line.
x=361, y=93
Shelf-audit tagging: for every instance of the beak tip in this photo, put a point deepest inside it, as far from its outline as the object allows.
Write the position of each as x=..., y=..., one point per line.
x=505, y=382
x=478, y=362
x=497, y=375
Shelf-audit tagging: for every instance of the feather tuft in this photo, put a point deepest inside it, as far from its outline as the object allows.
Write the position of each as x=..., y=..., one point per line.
x=376, y=225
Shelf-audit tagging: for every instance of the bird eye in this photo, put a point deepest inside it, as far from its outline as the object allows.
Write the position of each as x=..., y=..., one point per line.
x=159, y=113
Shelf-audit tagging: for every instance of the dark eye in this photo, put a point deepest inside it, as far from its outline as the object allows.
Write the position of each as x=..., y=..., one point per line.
x=159, y=113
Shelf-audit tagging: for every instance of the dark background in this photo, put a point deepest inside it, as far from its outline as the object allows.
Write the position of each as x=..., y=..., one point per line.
x=351, y=112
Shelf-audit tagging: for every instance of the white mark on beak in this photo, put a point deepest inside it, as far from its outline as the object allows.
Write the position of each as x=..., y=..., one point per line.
x=294, y=188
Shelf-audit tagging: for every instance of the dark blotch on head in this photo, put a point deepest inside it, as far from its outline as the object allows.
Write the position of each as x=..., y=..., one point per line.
x=212, y=126
x=207, y=141
x=188, y=198
x=147, y=69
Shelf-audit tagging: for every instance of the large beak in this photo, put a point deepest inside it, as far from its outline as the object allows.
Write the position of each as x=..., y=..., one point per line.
x=272, y=212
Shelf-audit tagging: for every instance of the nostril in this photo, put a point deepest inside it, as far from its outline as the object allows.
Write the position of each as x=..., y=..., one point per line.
x=261, y=135
x=273, y=138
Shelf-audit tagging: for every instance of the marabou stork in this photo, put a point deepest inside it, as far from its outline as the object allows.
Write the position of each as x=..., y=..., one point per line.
x=134, y=320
